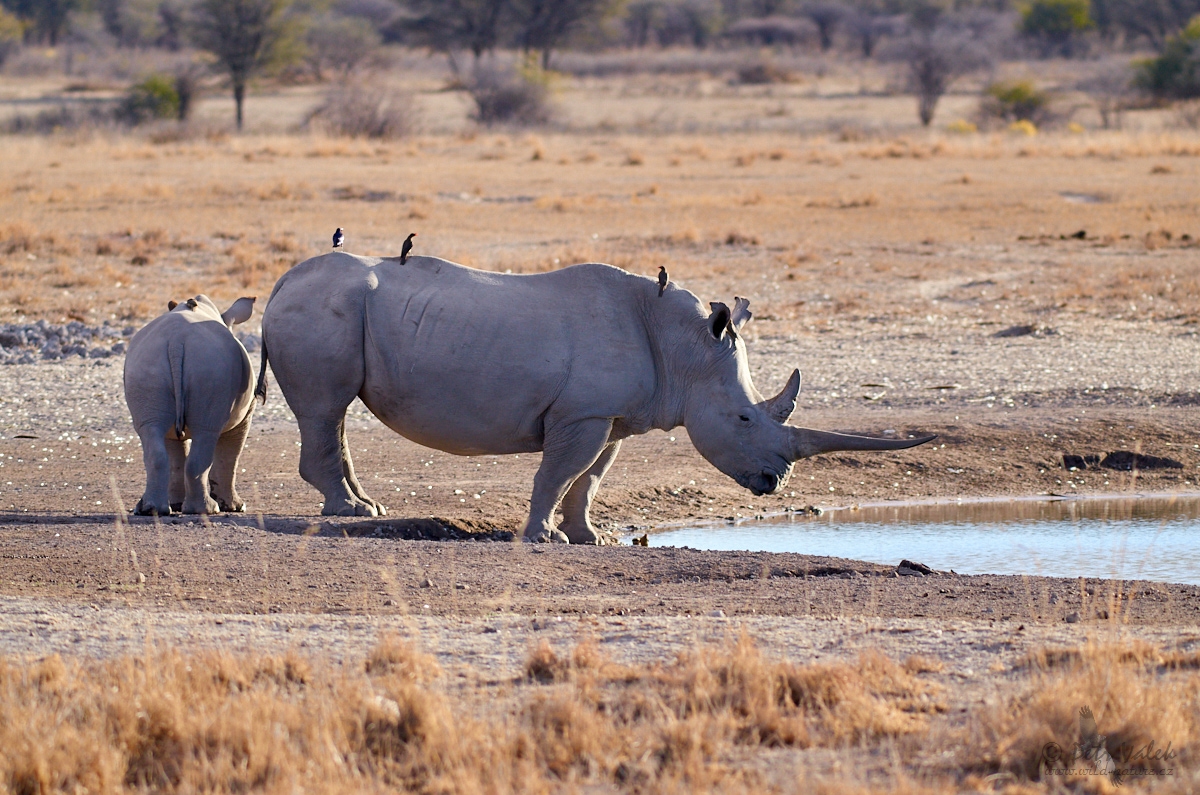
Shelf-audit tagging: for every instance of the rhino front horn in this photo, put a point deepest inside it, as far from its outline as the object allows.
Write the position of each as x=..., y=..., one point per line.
x=807, y=442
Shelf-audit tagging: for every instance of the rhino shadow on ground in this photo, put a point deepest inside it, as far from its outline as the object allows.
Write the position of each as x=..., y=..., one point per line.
x=414, y=529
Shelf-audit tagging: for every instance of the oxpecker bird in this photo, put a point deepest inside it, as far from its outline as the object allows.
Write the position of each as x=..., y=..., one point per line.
x=662, y=280
x=407, y=247
x=338, y=237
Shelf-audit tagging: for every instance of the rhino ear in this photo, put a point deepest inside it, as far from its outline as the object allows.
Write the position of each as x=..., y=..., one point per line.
x=171, y=305
x=719, y=320
x=239, y=311
x=741, y=312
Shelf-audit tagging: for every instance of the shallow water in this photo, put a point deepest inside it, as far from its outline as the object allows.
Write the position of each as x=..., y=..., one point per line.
x=1145, y=538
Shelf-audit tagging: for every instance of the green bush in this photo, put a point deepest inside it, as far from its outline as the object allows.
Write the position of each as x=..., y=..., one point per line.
x=1056, y=22
x=1016, y=101
x=1176, y=73
x=154, y=98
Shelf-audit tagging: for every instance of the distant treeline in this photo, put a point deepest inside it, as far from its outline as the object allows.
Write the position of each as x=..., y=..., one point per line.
x=543, y=26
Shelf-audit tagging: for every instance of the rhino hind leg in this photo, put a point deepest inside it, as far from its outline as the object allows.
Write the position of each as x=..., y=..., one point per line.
x=356, y=488
x=568, y=452
x=223, y=477
x=177, y=450
x=577, y=503
x=196, y=470
x=322, y=463
x=155, y=499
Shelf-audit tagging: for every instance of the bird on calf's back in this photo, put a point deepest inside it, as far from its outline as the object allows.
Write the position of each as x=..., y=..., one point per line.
x=339, y=236
x=407, y=247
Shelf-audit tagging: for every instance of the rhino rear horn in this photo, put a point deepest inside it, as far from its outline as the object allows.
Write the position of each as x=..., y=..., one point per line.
x=782, y=405
x=807, y=442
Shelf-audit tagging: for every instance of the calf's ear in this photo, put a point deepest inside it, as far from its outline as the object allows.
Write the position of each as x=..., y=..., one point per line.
x=741, y=312
x=171, y=305
x=239, y=311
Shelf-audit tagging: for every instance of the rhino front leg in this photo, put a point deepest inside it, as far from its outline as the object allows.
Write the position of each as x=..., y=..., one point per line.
x=577, y=504
x=322, y=463
x=177, y=450
x=156, y=498
x=195, y=473
x=223, y=478
x=568, y=452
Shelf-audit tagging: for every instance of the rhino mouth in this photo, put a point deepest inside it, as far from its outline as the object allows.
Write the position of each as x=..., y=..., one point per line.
x=767, y=481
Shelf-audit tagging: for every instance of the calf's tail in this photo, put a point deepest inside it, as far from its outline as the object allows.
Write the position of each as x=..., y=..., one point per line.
x=175, y=357
x=260, y=391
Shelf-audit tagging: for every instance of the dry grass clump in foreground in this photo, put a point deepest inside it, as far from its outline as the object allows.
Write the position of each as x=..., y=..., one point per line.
x=1093, y=718
x=211, y=721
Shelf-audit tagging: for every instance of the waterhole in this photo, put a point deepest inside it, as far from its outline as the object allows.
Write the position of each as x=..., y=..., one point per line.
x=1133, y=538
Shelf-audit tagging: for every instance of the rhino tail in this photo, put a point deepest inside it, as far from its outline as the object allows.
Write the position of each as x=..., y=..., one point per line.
x=260, y=390
x=175, y=356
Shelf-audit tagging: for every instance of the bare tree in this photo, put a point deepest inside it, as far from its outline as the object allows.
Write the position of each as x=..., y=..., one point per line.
x=935, y=55
x=1111, y=87
x=45, y=20
x=245, y=36
x=340, y=44
x=448, y=25
x=827, y=17
x=546, y=24
x=869, y=28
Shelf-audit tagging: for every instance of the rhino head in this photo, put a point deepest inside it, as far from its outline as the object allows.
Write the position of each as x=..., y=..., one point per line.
x=734, y=427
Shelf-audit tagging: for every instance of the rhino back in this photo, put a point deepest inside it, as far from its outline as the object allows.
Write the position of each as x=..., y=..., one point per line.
x=473, y=361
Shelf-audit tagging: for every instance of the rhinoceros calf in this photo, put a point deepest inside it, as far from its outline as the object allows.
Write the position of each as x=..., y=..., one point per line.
x=568, y=363
x=189, y=382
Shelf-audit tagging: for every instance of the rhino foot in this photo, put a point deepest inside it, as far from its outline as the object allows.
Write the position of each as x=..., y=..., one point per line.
x=351, y=507
x=142, y=509
x=209, y=505
x=545, y=536
x=237, y=506
x=580, y=535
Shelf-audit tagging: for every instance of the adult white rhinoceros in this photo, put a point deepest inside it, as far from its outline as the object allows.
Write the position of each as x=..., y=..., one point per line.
x=568, y=362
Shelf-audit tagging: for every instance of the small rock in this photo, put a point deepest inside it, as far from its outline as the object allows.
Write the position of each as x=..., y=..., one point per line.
x=141, y=578
x=461, y=586
x=920, y=568
x=426, y=583
x=390, y=603
x=1127, y=461
x=1071, y=618
x=717, y=614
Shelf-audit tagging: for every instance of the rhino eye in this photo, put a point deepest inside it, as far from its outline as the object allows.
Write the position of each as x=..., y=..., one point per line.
x=743, y=418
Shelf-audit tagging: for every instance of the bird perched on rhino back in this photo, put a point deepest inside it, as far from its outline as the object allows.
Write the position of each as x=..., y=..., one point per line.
x=407, y=247
x=339, y=237
x=663, y=278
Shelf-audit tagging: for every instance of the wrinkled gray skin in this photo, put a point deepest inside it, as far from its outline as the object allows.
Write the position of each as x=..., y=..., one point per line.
x=188, y=384
x=568, y=363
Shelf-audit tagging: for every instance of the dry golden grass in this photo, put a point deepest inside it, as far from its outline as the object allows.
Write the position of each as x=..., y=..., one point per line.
x=1145, y=702
x=210, y=721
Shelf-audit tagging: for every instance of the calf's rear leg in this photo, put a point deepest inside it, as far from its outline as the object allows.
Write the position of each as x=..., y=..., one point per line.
x=223, y=477
x=156, y=498
x=195, y=472
x=177, y=450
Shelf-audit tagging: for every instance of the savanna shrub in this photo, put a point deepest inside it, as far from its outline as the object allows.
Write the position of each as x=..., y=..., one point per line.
x=154, y=98
x=1176, y=73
